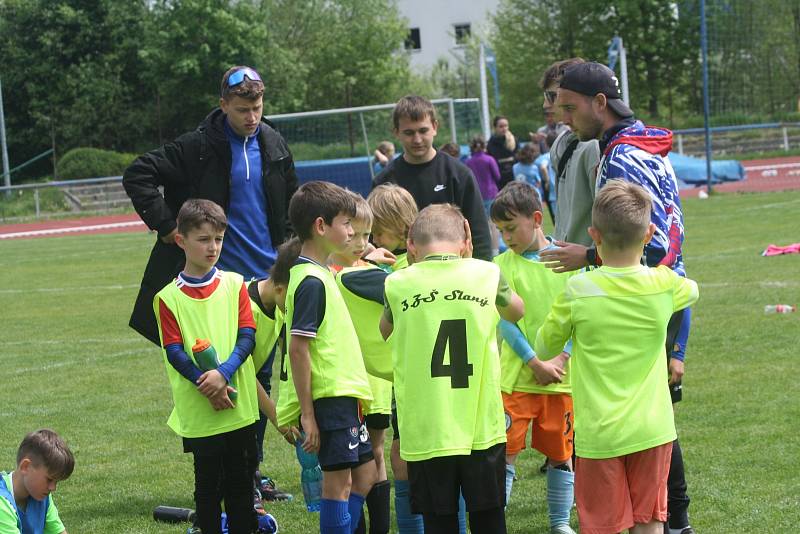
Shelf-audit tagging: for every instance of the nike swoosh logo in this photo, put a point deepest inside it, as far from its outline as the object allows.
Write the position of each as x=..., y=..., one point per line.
x=439, y=187
x=352, y=445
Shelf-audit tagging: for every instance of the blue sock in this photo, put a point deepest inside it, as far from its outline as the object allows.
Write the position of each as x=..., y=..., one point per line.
x=511, y=472
x=355, y=505
x=560, y=495
x=407, y=523
x=333, y=517
x=462, y=514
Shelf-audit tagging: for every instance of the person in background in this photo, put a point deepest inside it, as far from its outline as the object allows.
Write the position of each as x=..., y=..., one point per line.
x=451, y=149
x=383, y=155
x=487, y=174
x=525, y=170
x=502, y=146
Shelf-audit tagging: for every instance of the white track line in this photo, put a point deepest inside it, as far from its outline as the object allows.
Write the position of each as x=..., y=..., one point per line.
x=72, y=229
x=773, y=166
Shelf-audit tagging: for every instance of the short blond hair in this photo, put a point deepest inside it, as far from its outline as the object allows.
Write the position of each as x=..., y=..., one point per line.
x=621, y=213
x=363, y=211
x=438, y=222
x=393, y=208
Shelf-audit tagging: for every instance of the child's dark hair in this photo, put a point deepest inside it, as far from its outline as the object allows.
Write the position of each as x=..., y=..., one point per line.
x=413, y=107
x=498, y=118
x=287, y=255
x=248, y=89
x=528, y=153
x=451, y=149
x=550, y=139
x=477, y=144
x=46, y=448
x=516, y=198
x=197, y=211
x=318, y=199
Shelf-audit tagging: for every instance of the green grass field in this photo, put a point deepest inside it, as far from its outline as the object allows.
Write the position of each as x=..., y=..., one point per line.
x=71, y=363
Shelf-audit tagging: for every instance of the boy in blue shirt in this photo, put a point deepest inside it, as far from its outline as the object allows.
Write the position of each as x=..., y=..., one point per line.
x=26, y=507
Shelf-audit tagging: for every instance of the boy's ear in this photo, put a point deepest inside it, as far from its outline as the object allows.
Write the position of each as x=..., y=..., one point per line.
x=649, y=235
x=537, y=218
x=180, y=241
x=597, y=237
x=24, y=465
x=318, y=226
x=411, y=251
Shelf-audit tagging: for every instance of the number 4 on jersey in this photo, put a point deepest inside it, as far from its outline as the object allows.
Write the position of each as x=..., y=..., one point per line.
x=453, y=337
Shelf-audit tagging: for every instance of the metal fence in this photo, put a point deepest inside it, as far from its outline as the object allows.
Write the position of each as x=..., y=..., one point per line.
x=728, y=141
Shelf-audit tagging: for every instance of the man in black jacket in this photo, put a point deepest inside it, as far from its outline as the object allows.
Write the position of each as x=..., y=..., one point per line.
x=431, y=176
x=234, y=158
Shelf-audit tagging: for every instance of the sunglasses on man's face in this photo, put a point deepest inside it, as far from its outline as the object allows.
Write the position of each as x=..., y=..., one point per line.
x=238, y=77
x=550, y=97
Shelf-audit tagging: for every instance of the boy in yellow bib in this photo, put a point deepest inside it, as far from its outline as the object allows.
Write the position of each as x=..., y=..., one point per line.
x=361, y=285
x=393, y=210
x=617, y=318
x=536, y=394
x=205, y=303
x=442, y=313
x=330, y=382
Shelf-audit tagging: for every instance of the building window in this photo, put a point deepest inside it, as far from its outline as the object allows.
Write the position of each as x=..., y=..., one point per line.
x=413, y=41
x=462, y=33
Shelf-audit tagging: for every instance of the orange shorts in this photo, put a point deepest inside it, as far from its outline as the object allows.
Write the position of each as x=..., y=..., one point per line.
x=550, y=419
x=613, y=494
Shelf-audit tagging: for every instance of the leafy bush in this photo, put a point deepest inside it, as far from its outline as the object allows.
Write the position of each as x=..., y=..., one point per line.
x=87, y=162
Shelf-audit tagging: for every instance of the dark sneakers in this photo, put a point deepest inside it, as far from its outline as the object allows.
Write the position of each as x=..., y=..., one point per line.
x=269, y=491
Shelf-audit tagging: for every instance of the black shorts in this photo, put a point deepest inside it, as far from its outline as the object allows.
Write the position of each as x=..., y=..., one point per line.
x=378, y=421
x=480, y=476
x=673, y=327
x=343, y=437
x=241, y=439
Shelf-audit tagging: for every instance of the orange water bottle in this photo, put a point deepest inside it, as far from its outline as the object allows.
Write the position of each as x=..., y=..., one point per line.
x=207, y=360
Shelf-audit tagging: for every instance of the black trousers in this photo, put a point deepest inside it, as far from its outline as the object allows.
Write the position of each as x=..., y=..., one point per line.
x=224, y=466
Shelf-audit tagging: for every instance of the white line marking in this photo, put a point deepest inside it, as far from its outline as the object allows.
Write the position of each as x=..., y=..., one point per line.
x=773, y=166
x=72, y=229
x=67, y=289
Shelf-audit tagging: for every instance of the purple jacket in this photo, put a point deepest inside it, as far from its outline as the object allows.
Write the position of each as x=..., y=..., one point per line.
x=486, y=172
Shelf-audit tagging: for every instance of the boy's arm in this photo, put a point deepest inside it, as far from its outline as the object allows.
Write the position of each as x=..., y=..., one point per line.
x=509, y=305
x=387, y=321
x=366, y=283
x=267, y=406
x=309, y=311
x=545, y=372
x=556, y=329
x=214, y=382
x=300, y=359
x=173, y=345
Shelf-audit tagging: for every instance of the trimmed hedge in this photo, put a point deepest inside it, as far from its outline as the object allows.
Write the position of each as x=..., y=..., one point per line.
x=86, y=162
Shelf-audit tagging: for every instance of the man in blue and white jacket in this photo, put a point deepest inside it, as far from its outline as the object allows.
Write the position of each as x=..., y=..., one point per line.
x=591, y=104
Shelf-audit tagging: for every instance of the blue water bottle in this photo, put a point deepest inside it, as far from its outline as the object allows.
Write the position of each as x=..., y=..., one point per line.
x=310, y=477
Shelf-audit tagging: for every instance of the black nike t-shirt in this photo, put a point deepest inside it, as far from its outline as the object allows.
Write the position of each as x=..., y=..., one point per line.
x=443, y=180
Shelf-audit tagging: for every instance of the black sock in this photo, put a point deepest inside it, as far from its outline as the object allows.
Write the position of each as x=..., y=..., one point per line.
x=378, y=508
x=493, y=521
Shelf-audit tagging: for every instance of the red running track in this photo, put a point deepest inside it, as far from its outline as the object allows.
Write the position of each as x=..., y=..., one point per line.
x=776, y=174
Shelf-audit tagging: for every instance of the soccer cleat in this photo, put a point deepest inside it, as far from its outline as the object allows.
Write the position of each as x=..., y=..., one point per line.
x=684, y=530
x=258, y=506
x=561, y=529
x=270, y=492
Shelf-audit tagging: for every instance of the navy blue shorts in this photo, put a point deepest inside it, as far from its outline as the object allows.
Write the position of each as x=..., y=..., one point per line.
x=344, y=440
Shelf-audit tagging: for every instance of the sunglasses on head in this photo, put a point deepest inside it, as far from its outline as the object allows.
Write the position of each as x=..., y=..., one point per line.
x=237, y=77
x=550, y=96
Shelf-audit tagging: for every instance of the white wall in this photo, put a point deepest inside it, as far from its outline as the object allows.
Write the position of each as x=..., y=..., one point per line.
x=435, y=20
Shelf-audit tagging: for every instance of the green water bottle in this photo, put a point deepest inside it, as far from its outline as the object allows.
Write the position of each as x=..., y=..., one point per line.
x=206, y=357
